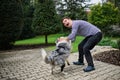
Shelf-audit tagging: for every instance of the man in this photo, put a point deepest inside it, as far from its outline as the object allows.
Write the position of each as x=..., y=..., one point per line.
x=92, y=35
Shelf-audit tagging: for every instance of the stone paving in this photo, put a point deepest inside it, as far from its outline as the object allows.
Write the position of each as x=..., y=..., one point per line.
x=28, y=65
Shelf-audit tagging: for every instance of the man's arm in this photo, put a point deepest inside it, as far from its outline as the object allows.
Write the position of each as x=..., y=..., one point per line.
x=74, y=31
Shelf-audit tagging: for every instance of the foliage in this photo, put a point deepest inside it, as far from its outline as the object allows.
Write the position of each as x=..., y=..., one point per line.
x=11, y=22
x=115, y=32
x=103, y=16
x=28, y=9
x=45, y=18
x=71, y=8
x=107, y=41
x=118, y=43
x=115, y=2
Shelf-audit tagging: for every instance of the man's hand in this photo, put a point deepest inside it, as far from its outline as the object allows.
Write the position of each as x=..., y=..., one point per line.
x=63, y=38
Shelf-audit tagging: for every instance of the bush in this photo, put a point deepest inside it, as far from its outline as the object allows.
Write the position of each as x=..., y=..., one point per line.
x=103, y=16
x=115, y=33
x=108, y=42
x=28, y=10
x=105, y=42
x=118, y=43
x=10, y=22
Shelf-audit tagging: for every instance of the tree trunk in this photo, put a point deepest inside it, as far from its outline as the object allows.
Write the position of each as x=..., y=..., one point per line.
x=46, y=39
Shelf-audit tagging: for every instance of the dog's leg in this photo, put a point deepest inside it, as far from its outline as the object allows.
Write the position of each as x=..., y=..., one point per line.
x=62, y=67
x=52, y=69
x=67, y=62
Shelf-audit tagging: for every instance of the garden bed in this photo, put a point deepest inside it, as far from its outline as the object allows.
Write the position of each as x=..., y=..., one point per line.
x=112, y=57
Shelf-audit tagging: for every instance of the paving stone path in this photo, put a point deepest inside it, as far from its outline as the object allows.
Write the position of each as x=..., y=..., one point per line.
x=28, y=65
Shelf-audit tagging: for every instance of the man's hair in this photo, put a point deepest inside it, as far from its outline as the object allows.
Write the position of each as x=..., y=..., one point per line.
x=65, y=18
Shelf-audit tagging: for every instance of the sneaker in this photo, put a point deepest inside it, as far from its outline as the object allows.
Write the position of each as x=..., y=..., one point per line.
x=78, y=63
x=88, y=69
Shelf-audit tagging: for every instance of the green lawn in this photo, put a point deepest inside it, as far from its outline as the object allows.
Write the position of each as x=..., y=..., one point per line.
x=51, y=39
x=74, y=45
x=38, y=40
x=106, y=41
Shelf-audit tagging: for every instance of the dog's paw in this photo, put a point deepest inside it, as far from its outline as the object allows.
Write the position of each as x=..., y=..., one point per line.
x=65, y=73
x=52, y=72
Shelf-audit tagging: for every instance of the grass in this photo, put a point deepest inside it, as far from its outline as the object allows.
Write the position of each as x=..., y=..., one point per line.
x=38, y=40
x=106, y=41
x=51, y=39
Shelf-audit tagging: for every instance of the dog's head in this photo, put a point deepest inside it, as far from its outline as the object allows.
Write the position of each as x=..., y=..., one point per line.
x=62, y=41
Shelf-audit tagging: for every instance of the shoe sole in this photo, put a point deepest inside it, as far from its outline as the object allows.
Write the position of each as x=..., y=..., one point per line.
x=88, y=70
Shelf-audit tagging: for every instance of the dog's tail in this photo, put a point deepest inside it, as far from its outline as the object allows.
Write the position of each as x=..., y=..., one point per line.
x=44, y=53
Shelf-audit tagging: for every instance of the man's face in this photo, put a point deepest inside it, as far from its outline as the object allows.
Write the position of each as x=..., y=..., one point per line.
x=67, y=22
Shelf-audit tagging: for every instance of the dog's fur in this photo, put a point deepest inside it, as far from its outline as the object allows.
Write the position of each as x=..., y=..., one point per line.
x=58, y=56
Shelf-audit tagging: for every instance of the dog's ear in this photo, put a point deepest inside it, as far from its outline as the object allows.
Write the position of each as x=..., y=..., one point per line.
x=57, y=40
x=70, y=43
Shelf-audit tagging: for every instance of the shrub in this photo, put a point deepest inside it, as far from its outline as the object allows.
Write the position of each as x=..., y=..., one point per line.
x=10, y=22
x=108, y=42
x=115, y=33
x=103, y=16
x=105, y=42
x=118, y=43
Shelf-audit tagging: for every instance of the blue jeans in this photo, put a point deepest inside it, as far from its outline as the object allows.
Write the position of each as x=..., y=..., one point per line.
x=86, y=45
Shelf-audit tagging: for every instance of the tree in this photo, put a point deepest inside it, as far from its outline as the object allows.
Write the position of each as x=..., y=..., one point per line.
x=71, y=8
x=28, y=10
x=11, y=22
x=45, y=19
x=115, y=2
x=104, y=16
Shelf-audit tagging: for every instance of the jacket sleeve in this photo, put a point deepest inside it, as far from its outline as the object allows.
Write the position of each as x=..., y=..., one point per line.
x=73, y=33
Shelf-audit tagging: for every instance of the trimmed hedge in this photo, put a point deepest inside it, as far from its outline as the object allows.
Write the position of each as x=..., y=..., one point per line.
x=10, y=22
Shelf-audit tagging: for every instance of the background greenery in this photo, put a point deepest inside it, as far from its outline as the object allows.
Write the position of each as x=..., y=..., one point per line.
x=24, y=22
x=11, y=22
x=45, y=19
x=104, y=16
x=28, y=10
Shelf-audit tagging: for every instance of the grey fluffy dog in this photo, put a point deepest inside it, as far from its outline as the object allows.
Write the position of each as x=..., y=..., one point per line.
x=58, y=56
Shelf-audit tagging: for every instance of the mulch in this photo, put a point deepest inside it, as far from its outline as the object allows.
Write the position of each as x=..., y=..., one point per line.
x=112, y=57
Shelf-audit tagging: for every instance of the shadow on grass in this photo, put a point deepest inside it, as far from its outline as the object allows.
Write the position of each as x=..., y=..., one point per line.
x=24, y=47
